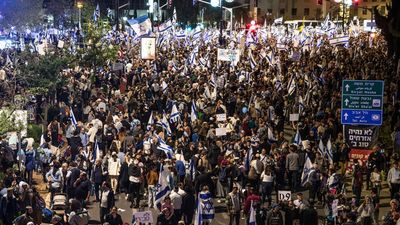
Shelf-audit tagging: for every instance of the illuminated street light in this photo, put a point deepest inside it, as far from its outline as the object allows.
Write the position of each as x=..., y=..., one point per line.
x=80, y=6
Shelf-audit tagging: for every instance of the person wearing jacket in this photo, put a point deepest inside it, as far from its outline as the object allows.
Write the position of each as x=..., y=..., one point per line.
x=114, y=218
x=99, y=174
x=8, y=207
x=274, y=216
x=114, y=166
x=106, y=200
x=54, y=177
x=234, y=202
x=29, y=164
x=135, y=177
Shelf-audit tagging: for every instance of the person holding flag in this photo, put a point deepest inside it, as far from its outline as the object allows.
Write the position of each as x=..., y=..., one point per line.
x=205, y=208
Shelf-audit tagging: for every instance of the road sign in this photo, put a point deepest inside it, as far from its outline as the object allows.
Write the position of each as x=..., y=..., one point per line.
x=362, y=102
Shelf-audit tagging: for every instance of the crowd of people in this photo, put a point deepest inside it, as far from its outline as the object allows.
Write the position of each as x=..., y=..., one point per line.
x=119, y=133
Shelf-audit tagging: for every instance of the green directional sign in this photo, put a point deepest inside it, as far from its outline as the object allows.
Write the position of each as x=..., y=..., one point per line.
x=362, y=87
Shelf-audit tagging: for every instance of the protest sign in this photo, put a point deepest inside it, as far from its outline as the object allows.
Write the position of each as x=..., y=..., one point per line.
x=228, y=55
x=284, y=195
x=361, y=137
x=221, y=117
x=220, y=131
x=148, y=48
x=142, y=217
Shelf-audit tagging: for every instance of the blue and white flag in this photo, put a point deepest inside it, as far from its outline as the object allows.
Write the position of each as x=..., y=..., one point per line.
x=253, y=62
x=321, y=148
x=270, y=58
x=180, y=34
x=247, y=160
x=344, y=40
x=168, y=150
x=206, y=208
x=192, y=59
x=292, y=85
x=72, y=118
x=193, y=113
x=329, y=151
x=301, y=104
x=192, y=170
x=278, y=20
x=163, y=189
x=96, y=151
x=141, y=25
x=305, y=176
x=175, y=115
x=165, y=27
x=165, y=125
x=252, y=218
x=213, y=81
x=297, y=138
x=150, y=122
x=198, y=220
x=325, y=25
x=96, y=14
x=164, y=86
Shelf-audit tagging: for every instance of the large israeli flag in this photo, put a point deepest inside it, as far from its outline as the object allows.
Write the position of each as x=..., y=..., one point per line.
x=305, y=176
x=193, y=113
x=207, y=207
x=72, y=117
x=163, y=189
x=165, y=125
x=252, y=219
x=175, y=115
x=168, y=150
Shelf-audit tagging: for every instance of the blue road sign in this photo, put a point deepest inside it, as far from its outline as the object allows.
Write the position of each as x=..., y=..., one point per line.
x=362, y=102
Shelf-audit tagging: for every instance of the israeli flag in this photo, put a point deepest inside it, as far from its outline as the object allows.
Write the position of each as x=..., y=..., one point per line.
x=163, y=189
x=207, y=207
x=252, y=219
x=175, y=115
x=329, y=151
x=247, y=160
x=192, y=59
x=141, y=25
x=253, y=63
x=278, y=20
x=270, y=58
x=96, y=151
x=165, y=27
x=321, y=147
x=301, y=104
x=180, y=35
x=198, y=219
x=72, y=118
x=193, y=113
x=291, y=85
x=344, y=40
x=305, y=176
x=150, y=122
x=164, y=86
x=168, y=150
x=213, y=82
x=165, y=125
x=96, y=14
x=325, y=25
x=297, y=138
x=192, y=170
x=278, y=85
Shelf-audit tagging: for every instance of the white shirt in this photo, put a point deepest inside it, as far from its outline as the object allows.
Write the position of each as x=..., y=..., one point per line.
x=266, y=177
x=176, y=199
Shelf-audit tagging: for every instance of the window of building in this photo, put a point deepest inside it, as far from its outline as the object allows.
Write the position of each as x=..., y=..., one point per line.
x=364, y=11
x=306, y=11
x=282, y=11
x=382, y=9
x=294, y=12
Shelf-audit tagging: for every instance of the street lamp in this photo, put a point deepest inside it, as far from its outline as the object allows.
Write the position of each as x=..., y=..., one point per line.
x=79, y=4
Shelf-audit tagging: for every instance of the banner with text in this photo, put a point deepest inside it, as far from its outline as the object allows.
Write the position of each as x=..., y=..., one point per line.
x=228, y=55
x=361, y=137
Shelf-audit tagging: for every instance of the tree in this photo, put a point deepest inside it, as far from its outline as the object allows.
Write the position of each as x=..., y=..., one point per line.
x=7, y=122
x=20, y=13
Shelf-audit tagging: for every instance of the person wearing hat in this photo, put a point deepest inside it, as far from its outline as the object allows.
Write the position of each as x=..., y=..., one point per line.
x=234, y=202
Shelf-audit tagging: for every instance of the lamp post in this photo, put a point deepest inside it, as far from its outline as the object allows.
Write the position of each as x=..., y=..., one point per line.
x=79, y=4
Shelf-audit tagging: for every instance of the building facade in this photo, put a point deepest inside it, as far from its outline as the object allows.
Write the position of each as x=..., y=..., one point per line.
x=312, y=9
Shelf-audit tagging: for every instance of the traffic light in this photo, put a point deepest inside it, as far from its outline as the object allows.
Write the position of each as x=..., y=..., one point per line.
x=356, y=2
x=319, y=2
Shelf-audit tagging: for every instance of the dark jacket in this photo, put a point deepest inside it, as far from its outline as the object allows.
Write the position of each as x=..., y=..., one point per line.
x=114, y=221
x=309, y=216
x=98, y=174
x=110, y=199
